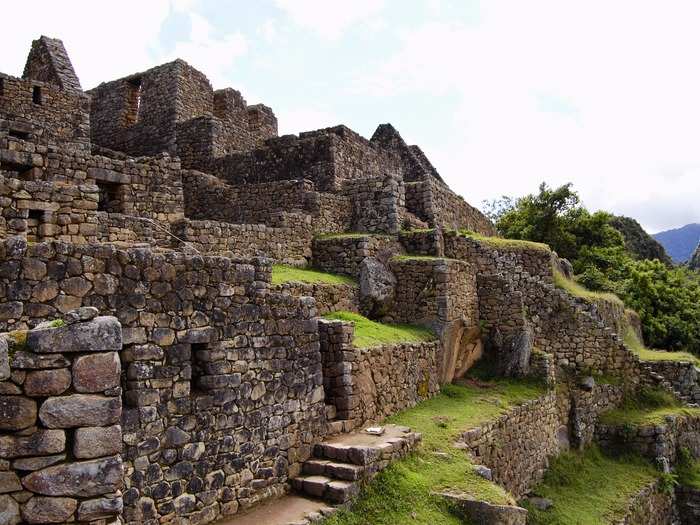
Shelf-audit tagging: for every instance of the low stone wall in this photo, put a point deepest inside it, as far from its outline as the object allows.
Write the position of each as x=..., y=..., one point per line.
x=368, y=384
x=492, y=258
x=651, y=506
x=682, y=377
x=60, y=415
x=329, y=297
x=343, y=254
x=290, y=242
x=377, y=203
x=518, y=445
x=656, y=440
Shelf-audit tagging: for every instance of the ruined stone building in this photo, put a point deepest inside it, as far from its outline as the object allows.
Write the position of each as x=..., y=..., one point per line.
x=152, y=373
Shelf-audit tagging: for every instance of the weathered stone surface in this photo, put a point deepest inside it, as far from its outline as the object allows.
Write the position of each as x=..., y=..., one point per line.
x=101, y=334
x=514, y=351
x=80, y=410
x=9, y=482
x=30, y=360
x=9, y=511
x=377, y=287
x=83, y=478
x=37, y=463
x=96, y=372
x=43, y=383
x=95, y=442
x=99, y=508
x=41, y=442
x=40, y=509
x=16, y=412
x=4, y=360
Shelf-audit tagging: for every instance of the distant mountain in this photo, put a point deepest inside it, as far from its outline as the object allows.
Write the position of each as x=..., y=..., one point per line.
x=639, y=242
x=681, y=242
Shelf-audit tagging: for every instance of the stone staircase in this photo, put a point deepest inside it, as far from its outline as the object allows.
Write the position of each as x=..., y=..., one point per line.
x=342, y=464
x=335, y=475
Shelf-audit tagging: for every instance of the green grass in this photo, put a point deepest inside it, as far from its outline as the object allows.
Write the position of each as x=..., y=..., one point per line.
x=649, y=407
x=402, y=493
x=633, y=343
x=420, y=258
x=688, y=470
x=575, y=289
x=283, y=274
x=506, y=244
x=589, y=488
x=369, y=333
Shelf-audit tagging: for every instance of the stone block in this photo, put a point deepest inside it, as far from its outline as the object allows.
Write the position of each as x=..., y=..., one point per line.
x=41, y=442
x=99, y=508
x=95, y=442
x=102, y=334
x=41, y=509
x=80, y=410
x=97, y=372
x=43, y=383
x=9, y=511
x=16, y=412
x=9, y=482
x=83, y=478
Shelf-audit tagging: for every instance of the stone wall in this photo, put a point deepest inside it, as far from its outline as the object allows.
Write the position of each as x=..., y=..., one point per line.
x=434, y=291
x=432, y=201
x=377, y=203
x=517, y=446
x=654, y=440
x=681, y=376
x=343, y=254
x=651, y=506
x=368, y=384
x=193, y=328
x=289, y=242
x=327, y=157
x=60, y=415
x=688, y=502
x=44, y=114
x=428, y=242
x=329, y=297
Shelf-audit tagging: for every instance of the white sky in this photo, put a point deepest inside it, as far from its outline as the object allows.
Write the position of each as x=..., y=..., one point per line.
x=501, y=94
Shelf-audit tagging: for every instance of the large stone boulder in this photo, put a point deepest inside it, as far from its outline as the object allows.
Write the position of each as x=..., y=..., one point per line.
x=512, y=352
x=83, y=478
x=377, y=287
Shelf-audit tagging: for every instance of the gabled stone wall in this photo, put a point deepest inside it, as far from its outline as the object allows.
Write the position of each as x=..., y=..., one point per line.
x=60, y=422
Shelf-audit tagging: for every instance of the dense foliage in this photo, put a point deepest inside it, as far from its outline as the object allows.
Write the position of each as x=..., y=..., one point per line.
x=667, y=298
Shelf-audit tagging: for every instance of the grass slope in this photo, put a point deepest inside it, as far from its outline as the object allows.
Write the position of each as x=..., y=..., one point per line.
x=284, y=274
x=649, y=407
x=402, y=493
x=370, y=333
x=575, y=289
x=589, y=488
x=506, y=244
x=646, y=354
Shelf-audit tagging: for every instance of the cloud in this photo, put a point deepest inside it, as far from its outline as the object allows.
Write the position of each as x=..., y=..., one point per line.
x=603, y=94
x=210, y=53
x=327, y=18
x=104, y=42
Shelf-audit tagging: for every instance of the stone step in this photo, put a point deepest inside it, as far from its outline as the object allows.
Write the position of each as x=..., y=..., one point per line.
x=364, y=449
x=323, y=487
x=332, y=469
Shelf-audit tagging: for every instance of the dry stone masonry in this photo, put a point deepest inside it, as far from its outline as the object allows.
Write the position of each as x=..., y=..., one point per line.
x=151, y=373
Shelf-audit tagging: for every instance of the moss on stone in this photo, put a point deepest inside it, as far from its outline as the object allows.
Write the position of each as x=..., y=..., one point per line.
x=284, y=274
x=370, y=333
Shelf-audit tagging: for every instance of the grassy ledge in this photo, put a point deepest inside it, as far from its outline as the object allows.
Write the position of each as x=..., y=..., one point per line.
x=284, y=274
x=575, y=289
x=402, y=492
x=348, y=235
x=590, y=488
x=649, y=407
x=369, y=333
x=506, y=244
x=633, y=343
